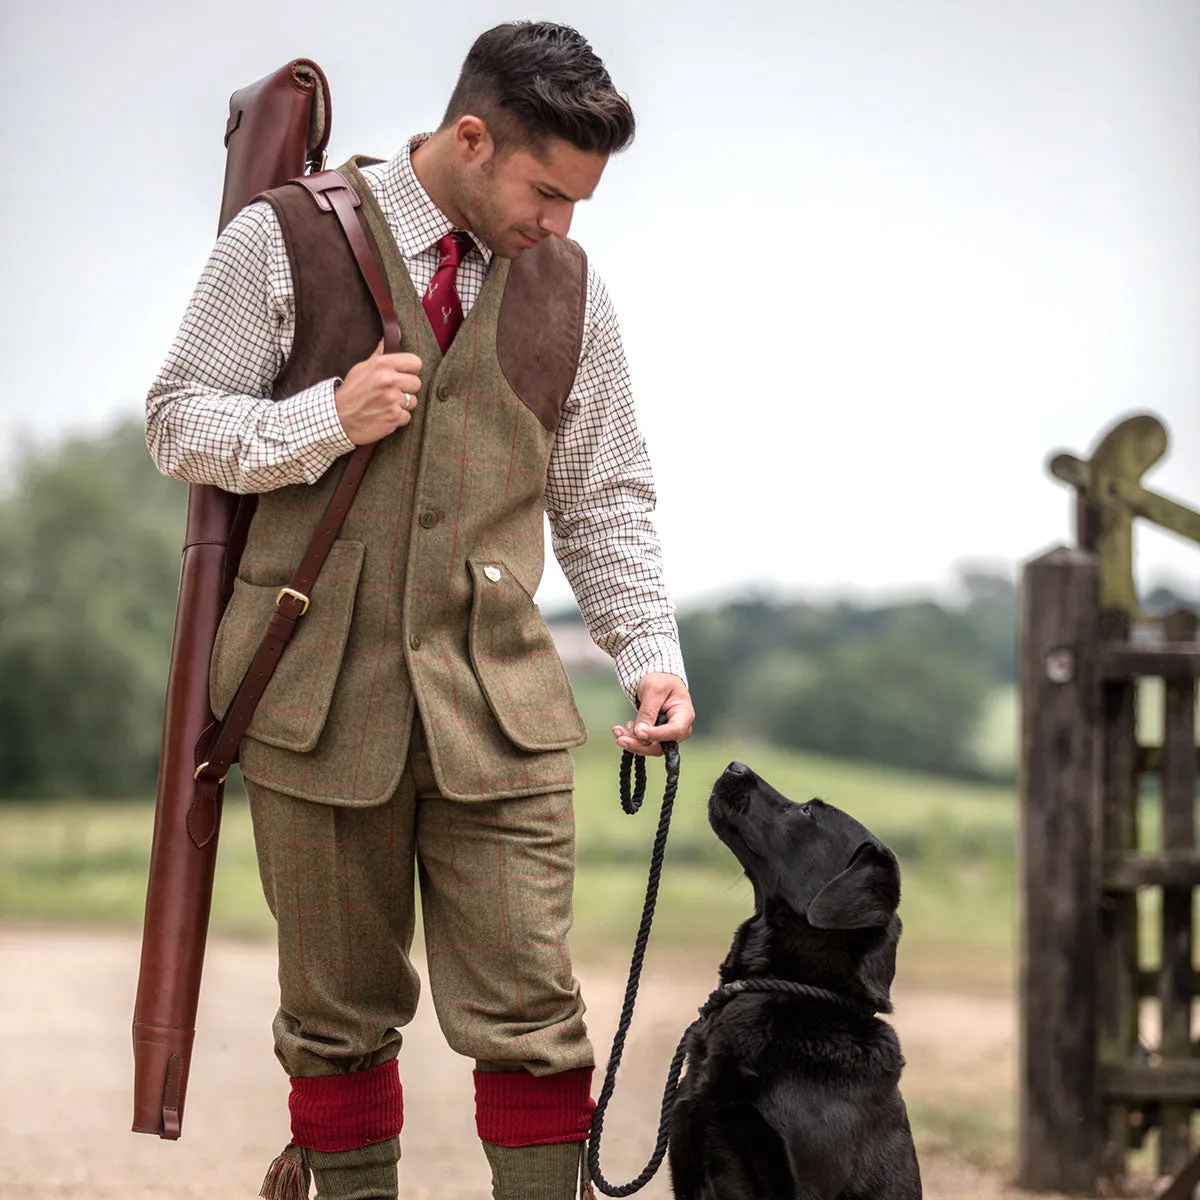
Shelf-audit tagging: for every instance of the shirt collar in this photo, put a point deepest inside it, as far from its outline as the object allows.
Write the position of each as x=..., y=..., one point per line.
x=417, y=222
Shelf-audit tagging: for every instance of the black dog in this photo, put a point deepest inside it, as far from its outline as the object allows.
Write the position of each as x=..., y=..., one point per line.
x=796, y=1097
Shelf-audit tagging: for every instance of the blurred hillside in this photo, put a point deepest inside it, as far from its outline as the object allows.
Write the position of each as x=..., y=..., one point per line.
x=89, y=541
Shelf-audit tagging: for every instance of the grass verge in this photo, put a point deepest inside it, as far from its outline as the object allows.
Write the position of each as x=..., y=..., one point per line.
x=86, y=861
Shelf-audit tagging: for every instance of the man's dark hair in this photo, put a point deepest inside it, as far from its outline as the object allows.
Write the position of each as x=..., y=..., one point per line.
x=532, y=80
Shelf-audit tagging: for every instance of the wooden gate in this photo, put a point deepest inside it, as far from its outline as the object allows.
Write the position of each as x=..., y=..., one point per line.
x=1110, y=864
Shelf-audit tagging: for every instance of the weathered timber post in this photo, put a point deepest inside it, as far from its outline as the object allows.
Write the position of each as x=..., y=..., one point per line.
x=1059, y=1105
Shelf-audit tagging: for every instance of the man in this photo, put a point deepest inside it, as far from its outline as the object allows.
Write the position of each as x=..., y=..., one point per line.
x=418, y=727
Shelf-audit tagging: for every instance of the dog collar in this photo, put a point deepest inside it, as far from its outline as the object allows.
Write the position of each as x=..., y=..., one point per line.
x=741, y=987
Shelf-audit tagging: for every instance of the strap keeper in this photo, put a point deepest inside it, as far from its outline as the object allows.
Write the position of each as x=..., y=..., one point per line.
x=321, y=184
x=295, y=595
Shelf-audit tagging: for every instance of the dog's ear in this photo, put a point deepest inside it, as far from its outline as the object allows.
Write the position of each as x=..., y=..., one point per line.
x=864, y=895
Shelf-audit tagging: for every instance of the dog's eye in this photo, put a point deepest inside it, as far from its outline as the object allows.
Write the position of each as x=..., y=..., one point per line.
x=806, y=809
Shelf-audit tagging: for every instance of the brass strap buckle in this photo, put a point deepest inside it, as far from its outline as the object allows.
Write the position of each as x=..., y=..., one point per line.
x=287, y=591
x=196, y=775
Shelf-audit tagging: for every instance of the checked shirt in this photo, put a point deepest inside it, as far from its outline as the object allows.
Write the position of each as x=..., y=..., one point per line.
x=210, y=418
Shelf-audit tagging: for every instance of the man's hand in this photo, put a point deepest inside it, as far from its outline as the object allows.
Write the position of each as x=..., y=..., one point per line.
x=378, y=395
x=657, y=692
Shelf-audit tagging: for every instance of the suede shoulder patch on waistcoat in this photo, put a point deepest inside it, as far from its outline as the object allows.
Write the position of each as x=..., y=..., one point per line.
x=337, y=323
x=539, y=335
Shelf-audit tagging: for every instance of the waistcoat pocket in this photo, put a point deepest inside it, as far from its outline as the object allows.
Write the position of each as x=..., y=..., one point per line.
x=515, y=660
x=292, y=711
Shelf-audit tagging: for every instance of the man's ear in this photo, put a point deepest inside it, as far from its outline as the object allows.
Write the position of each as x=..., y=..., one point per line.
x=864, y=895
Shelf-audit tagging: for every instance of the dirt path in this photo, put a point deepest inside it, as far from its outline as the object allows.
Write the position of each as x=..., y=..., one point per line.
x=65, y=1065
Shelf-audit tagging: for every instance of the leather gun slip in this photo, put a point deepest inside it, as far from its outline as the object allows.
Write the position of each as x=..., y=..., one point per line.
x=277, y=128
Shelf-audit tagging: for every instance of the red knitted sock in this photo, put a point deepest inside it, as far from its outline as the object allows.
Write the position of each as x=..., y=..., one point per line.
x=514, y=1108
x=344, y=1112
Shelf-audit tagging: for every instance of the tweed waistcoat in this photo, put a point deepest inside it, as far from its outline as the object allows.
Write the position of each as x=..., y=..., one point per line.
x=426, y=598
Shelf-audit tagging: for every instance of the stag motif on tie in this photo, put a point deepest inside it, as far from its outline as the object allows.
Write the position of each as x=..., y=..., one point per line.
x=441, y=299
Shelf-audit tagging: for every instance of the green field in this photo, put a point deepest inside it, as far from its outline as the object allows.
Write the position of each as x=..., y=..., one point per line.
x=85, y=861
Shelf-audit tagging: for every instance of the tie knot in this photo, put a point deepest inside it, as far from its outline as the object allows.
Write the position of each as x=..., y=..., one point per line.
x=450, y=249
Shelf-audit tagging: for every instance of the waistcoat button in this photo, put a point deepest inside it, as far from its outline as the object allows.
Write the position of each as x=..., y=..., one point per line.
x=443, y=392
x=415, y=641
x=428, y=519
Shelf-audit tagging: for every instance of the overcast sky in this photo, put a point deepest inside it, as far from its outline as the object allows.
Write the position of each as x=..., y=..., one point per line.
x=874, y=259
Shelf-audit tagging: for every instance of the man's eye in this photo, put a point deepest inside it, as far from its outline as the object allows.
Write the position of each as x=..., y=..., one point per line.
x=545, y=195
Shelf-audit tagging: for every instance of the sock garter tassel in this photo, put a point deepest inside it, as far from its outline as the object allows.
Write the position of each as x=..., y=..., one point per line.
x=287, y=1177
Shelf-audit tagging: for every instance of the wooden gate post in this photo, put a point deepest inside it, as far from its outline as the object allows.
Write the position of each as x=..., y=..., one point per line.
x=1059, y=1105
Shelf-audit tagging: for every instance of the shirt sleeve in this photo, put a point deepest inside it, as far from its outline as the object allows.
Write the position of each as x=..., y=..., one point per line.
x=209, y=414
x=599, y=497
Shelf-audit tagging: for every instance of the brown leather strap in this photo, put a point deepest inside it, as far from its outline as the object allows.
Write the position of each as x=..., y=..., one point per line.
x=332, y=194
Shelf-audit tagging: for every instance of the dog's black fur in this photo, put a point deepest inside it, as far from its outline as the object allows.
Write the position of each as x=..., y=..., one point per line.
x=789, y=1097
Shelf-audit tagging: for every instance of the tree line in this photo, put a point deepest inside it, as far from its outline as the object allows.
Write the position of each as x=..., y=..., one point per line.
x=899, y=684
x=90, y=540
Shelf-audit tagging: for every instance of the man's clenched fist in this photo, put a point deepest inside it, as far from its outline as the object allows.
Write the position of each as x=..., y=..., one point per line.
x=378, y=395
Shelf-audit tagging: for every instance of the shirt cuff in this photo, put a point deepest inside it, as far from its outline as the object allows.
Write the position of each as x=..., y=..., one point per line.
x=643, y=655
x=314, y=429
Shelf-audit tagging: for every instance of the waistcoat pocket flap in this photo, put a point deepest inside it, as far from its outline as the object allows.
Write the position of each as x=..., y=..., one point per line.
x=292, y=711
x=516, y=663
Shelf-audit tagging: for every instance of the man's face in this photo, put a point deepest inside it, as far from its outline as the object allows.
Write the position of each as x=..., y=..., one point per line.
x=514, y=200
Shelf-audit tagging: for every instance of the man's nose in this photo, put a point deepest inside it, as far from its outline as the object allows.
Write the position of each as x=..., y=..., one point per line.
x=557, y=220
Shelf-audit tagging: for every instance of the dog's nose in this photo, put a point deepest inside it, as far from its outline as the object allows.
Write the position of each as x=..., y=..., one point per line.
x=737, y=768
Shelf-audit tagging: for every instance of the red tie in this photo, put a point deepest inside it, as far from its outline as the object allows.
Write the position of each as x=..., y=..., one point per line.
x=442, y=305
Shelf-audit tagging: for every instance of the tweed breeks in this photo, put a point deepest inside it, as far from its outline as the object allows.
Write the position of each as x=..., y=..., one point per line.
x=495, y=880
